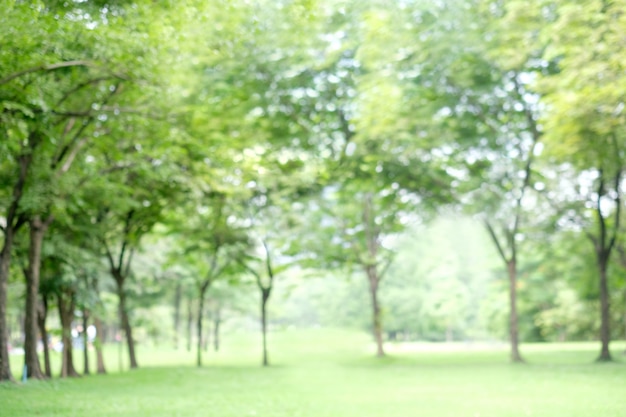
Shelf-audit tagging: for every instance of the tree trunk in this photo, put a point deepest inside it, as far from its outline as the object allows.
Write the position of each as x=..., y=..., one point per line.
x=265, y=295
x=125, y=324
x=177, y=302
x=98, y=344
x=11, y=227
x=31, y=358
x=371, y=270
x=85, y=342
x=216, y=329
x=66, y=314
x=189, y=323
x=5, y=261
x=41, y=321
x=199, y=318
x=605, y=312
x=513, y=322
x=376, y=319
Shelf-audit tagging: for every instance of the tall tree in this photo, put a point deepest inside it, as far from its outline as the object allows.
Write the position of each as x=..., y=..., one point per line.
x=54, y=103
x=584, y=124
x=471, y=86
x=209, y=246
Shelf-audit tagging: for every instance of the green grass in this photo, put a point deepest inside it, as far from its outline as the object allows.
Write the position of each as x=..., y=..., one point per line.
x=332, y=373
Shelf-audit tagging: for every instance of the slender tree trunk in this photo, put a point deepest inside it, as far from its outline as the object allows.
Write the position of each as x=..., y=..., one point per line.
x=41, y=321
x=31, y=358
x=513, y=321
x=66, y=314
x=372, y=234
x=98, y=344
x=11, y=227
x=189, y=323
x=128, y=331
x=199, y=318
x=605, y=312
x=216, y=329
x=5, y=261
x=376, y=318
x=265, y=295
x=85, y=342
x=177, y=302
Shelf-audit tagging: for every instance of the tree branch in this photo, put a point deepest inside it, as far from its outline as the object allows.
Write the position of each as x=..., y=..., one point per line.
x=618, y=199
x=268, y=262
x=74, y=144
x=253, y=272
x=531, y=154
x=81, y=86
x=601, y=220
x=108, y=253
x=495, y=239
x=129, y=261
x=129, y=218
x=50, y=67
x=382, y=273
x=618, y=210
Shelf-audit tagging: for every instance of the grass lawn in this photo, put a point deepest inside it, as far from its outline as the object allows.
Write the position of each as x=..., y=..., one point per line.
x=333, y=373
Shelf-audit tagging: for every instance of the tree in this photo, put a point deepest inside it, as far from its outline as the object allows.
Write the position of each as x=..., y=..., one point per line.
x=471, y=86
x=274, y=232
x=144, y=182
x=53, y=107
x=211, y=243
x=583, y=123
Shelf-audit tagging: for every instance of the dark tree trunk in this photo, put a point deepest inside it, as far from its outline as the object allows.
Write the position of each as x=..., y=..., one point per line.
x=120, y=270
x=85, y=342
x=98, y=344
x=177, y=302
x=128, y=331
x=265, y=295
x=216, y=329
x=12, y=225
x=42, y=315
x=31, y=358
x=199, y=318
x=376, y=319
x=605, y=312
x=604, y=244
x=513, y=321
x=189, y=323
x=66, y=304
x=266, y=291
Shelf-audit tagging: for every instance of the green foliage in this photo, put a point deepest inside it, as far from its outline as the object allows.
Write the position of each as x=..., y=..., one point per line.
x=213, y=137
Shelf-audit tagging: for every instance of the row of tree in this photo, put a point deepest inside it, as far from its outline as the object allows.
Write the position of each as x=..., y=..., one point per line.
x=259, y=136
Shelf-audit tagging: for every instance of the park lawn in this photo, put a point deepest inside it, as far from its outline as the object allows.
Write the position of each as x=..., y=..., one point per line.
x=333, y=373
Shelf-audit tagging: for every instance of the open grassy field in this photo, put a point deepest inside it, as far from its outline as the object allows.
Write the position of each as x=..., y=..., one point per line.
x=333, y=373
